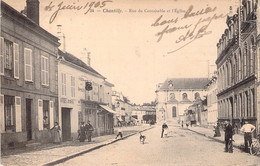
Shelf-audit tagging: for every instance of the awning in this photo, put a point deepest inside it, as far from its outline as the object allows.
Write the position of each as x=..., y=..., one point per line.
x=108, y=109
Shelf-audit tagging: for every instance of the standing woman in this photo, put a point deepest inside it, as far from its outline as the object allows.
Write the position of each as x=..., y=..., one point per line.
x=56, y=133
x=82, y=132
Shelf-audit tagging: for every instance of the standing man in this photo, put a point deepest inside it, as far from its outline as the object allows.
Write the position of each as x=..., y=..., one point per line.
x=164, y=126
x=89, y=130
x=248, y=129
x=228, y=134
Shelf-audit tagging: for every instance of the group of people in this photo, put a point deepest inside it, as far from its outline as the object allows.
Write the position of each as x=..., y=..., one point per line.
x=247, y=129
x=85, y=131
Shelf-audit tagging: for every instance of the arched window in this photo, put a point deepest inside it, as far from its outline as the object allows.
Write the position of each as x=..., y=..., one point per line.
x=245, y=59
x=172, y=96
x=184, y=96
x=174, y=114
x=252, y=53
x=240, y=62
x=196, y=96
x=227, y=76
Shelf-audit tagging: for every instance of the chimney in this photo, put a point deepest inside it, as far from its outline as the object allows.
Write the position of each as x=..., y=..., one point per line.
x=89, y=58
x=33, y=10
x=61, y=36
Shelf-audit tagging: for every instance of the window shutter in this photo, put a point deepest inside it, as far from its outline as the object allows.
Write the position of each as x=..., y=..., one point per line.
x=18, y=114
x=42, y=73
x=16, y=61
x=2, y=56
x=40, y=114
x=2, y=113
x=51, y=114
x=28, y=64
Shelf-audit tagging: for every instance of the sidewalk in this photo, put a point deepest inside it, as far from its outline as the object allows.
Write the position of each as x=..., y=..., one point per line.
x=238, y=138
x=50, y=154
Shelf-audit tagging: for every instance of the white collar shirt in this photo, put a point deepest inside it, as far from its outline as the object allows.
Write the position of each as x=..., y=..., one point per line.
x=247, y=128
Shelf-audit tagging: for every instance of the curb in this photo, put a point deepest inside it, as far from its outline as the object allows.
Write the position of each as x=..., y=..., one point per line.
x=213, y=138
x=70, y=156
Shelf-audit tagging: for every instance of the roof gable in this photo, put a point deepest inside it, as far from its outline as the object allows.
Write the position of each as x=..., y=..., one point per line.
x=184, y=83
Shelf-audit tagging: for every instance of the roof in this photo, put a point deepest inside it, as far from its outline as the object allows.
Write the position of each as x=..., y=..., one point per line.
x=10, y=11
x=184, y=83
x=76, y=61
x=108, y=83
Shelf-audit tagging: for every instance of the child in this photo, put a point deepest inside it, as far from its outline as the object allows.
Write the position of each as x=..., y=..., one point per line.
x=119, y=133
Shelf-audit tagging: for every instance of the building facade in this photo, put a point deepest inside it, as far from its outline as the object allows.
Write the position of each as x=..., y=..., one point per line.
x=122, y=107
x=175, y=95
x=79, y=104
x=212, y=101
x=238, y=67
x=29, y=91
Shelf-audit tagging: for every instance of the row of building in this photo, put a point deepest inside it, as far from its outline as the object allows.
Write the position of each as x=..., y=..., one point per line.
x=234, y=93
x=41, y=83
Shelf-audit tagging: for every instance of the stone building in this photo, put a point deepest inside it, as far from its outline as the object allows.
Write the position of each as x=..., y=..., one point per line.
x=28, y=77
x=175, y=95
x=238, y=67
x=78, y=104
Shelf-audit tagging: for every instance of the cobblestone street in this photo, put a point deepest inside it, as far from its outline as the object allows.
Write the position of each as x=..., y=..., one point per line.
x=48, y=152
x=182, y=147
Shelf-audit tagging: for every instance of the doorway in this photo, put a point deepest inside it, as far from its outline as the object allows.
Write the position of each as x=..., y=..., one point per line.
x=29, y=119
x=66, y=128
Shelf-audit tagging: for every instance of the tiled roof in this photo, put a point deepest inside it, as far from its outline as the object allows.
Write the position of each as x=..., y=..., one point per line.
x=184, y=83
x=71, y=58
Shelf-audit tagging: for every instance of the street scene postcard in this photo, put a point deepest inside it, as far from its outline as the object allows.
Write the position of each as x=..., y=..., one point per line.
x=130, y=82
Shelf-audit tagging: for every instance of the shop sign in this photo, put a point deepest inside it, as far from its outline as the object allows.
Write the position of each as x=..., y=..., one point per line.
x=67, y=101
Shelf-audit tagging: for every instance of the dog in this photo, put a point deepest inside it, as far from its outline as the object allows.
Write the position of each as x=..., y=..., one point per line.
x=142, y=138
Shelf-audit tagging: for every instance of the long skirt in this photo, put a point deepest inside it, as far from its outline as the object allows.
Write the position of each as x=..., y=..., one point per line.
x=56, y=137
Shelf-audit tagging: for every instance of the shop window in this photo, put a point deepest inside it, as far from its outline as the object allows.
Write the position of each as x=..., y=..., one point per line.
x=9, y=108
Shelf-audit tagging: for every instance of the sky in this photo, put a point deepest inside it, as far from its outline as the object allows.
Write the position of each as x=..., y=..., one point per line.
x=123, y=37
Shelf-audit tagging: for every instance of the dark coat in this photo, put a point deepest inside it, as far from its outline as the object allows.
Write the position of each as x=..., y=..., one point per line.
x=89, y=128
x=82, y=133
x=228, y=131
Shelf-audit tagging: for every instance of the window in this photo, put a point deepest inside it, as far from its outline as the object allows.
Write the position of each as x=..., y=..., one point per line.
x=196, y=96
x=9, y=111
x=63, y=80
x=28, y=64
x=173, y=112
x=2, y=56
x=184, y=96
x=8, y=58
x=45, y=70
x=72, y=86
x=46, y=119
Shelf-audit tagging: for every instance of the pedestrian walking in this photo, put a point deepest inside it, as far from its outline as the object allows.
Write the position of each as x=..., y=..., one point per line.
x=56, y=133
x=164, y=126
x=82, y=132
x=119, y=132
x=89, y=130
x=228, y=134
x=247, y=129
x=182, y=124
